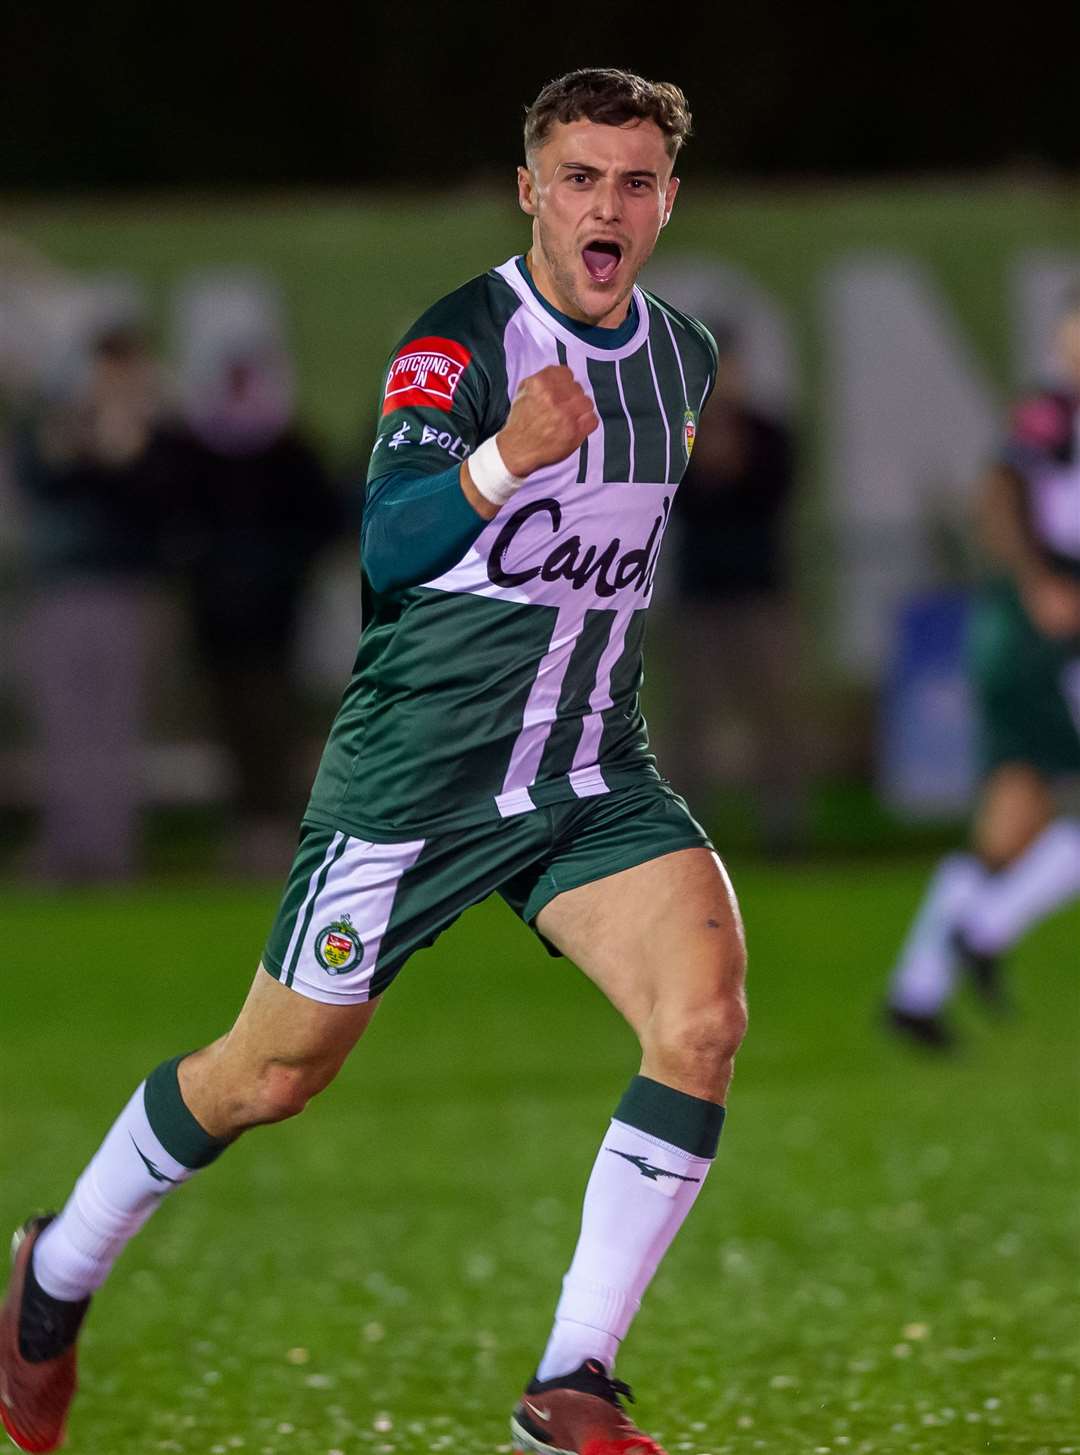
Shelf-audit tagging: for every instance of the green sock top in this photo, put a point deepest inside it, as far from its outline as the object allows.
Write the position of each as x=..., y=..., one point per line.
x=173, y=1124
x=685, y=1121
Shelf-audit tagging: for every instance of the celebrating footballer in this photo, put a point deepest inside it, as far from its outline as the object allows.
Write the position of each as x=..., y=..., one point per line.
x=534, y=428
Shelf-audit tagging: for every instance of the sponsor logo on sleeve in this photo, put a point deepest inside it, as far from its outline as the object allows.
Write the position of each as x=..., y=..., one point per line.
x=425, y=375
x=453, y=444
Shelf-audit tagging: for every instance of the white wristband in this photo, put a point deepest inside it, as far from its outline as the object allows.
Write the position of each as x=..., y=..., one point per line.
x=489, y=474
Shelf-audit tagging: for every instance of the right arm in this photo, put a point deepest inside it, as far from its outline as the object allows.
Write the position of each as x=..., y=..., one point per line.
x=417, y=524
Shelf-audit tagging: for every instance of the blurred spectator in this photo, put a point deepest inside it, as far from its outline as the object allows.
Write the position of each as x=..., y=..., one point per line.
x=735, y=637
x=1023, y=860
x=90, y=466
x=254, y=508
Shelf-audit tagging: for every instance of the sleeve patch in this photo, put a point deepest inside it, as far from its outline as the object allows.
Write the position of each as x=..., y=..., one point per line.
x=425, y=374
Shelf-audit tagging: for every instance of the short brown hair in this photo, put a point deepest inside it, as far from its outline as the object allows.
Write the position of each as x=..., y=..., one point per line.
x=611, y=97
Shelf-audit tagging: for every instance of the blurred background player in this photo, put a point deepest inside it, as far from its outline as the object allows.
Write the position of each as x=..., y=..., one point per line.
x=734, y=637
x=1024, y=858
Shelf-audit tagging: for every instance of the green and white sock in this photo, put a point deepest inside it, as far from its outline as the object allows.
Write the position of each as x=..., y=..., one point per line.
x=649, y=1171
x=154, y=1145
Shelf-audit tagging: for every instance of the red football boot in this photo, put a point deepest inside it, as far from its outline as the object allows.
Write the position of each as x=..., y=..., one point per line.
x=36, y=1385
x=578, y=1414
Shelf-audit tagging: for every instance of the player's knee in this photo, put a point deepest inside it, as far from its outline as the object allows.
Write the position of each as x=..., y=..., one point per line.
x=698, y=1039
x=713, y=1026
x=715, y=1033
x=284, y=1089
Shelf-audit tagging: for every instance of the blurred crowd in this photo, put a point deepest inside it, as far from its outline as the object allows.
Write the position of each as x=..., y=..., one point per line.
x=142, y=464
x=134, y=471
x=129, y=475
x=737, y=692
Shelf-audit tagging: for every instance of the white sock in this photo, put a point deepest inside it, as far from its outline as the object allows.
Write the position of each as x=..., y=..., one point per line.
x=924, y=973
x=120, y=1188
x=639, y=1192
x=1044, y=877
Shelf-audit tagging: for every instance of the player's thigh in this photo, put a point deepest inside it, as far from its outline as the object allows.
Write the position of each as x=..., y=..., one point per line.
x=661, y=935
x=279, y=1024
x=351, y=914
x=282, y=1050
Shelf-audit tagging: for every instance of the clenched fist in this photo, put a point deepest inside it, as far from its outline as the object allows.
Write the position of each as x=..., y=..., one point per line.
x=550, y=417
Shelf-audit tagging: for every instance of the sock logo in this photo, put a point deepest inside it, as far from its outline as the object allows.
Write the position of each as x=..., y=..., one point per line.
x=648, y=1170
x=154, y=1171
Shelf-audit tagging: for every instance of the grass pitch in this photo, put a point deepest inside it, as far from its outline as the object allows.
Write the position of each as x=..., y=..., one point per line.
x=884, y=1259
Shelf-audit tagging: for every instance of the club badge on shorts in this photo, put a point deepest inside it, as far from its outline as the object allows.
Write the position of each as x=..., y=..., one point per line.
x=338, y=947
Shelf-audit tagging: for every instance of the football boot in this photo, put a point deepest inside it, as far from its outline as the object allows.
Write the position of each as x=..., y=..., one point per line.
x=37, y=1351
x=580, y=1413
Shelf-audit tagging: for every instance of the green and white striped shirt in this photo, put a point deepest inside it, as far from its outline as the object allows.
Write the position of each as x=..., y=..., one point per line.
x=510, y=681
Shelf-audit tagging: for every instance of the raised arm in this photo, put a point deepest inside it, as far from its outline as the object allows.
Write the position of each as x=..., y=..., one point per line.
x=418, y=525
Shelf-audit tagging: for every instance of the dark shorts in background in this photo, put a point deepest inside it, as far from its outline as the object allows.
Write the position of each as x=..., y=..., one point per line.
x=353, y=911
x=1027, y=687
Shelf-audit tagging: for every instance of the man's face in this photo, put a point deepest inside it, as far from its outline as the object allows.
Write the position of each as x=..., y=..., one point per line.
x=598, y=196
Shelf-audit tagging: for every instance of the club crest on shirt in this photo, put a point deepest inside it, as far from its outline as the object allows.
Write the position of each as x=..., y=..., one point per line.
x=689, y=430
x=425, y=374
x=338, y=947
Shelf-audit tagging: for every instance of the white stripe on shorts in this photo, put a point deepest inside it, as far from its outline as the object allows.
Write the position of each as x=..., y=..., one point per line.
x=360, y=889
x=301, y=913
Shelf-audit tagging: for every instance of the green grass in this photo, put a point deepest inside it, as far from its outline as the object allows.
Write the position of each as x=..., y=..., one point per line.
x=883, y=1260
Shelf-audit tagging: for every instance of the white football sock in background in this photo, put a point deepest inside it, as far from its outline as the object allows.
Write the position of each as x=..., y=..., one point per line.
x=1045, y=877
x=926, y=969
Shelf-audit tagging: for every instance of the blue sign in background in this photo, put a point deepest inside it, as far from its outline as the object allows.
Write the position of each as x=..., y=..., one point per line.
x=926, y=742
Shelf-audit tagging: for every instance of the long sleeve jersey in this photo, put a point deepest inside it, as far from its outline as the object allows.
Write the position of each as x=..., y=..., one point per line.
x=508, y=678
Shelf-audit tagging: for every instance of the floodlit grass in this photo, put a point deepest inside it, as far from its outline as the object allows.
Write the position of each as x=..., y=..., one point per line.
x=883, y=1261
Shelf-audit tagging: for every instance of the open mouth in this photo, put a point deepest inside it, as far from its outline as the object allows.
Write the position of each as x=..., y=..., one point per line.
x=601, y=258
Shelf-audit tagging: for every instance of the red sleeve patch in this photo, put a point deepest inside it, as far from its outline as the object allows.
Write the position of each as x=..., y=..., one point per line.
x=425, y=374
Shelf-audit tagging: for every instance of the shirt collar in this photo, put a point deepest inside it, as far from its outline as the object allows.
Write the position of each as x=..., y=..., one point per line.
x=589, y=333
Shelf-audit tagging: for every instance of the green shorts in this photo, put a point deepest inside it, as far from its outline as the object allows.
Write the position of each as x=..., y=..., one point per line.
x=1027, y=687
x=354, y=911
